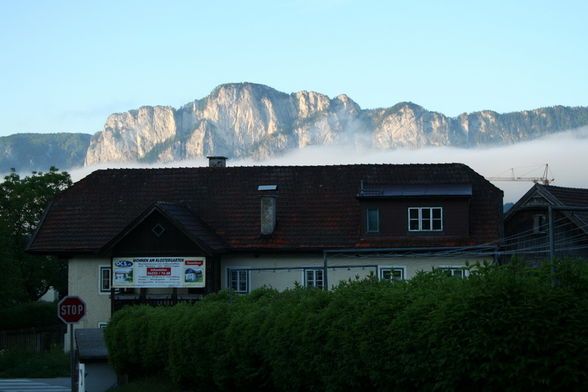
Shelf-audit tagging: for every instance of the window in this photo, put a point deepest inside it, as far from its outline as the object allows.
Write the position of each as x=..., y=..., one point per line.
x=425, y=219
x=104, y=279
x=102, y=324
x=373, y=220
x=238, y=280
x=539, y=224
x=392, y=273
x=459, y=272
x=314, y=278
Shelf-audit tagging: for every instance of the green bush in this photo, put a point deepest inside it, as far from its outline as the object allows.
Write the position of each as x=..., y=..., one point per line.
x=21, y=364
x=503, y=328
x=197, y=345
x=147, y=384
x=29, y=315
x=244, y=366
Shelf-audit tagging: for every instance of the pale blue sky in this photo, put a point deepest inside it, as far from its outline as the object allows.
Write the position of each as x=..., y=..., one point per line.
x=66, y=65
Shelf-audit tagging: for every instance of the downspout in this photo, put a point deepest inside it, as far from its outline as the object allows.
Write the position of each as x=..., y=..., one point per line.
x=325, y=270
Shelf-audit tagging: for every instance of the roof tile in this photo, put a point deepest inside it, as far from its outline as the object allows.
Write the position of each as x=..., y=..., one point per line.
x=317, y=206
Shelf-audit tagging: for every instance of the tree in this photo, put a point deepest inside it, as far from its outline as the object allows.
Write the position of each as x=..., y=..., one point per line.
x=27, y=277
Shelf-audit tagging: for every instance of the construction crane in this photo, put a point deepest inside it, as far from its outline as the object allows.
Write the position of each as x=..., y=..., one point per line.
x=544, y=179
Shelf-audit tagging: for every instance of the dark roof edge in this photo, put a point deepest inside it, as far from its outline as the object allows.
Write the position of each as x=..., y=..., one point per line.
x=39, y=224
x=141, y=218
x=536, y=188
x=255, y=167
x=182, y=228
x=65, y=253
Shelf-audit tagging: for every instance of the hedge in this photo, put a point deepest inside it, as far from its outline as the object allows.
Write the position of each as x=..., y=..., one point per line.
x=503, y=328
x=29, y=315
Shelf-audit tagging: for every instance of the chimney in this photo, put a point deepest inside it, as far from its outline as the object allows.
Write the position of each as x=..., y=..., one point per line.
x=217, y=161
x=268, y=214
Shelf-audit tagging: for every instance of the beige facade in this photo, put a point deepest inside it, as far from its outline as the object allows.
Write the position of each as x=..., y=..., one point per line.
x=84, y=282
x=289, y=269
x=84, y=274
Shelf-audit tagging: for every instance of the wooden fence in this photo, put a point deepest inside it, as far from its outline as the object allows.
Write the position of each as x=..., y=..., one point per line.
x=32, y=339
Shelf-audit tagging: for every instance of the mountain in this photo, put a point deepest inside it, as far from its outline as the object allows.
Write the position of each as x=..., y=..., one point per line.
x=37, y=151
x=253, y=120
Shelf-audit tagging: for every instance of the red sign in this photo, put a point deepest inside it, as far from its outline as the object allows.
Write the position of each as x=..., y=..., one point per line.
x=71, y=309
x=160, y=271
x=194, y=262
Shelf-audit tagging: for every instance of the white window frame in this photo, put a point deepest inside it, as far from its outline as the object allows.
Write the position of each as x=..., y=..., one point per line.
x=420, y=219
x=382, y=268
x=453, y=268
x=247, y=279
x=101, y=289
x=315, y=271
x=102, y=324
x=367, y=219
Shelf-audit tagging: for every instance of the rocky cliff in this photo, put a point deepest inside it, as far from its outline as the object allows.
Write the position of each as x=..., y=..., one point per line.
x=252, y=120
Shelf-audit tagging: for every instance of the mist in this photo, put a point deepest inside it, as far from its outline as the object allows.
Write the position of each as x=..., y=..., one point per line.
x=565, y=152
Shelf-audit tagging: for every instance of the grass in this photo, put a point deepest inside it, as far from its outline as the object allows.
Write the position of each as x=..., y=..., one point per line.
x=151, y=384
x=22, y=364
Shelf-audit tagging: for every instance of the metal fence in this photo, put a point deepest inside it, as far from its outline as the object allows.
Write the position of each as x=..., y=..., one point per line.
x=37, y=340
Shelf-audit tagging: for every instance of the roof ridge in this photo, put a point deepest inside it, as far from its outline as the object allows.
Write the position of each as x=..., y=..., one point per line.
x=563, y=187
x=275, y=166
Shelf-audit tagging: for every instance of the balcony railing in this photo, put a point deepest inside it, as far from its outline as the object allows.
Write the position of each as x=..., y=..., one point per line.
x=122, y=300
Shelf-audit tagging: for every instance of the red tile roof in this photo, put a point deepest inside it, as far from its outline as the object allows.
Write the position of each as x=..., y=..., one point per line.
x=317, y=206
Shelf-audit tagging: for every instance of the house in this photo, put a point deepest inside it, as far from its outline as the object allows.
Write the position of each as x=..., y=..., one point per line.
x=176, y=234
x=527, y=229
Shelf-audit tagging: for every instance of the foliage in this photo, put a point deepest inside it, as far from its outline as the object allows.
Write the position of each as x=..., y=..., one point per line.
x=20, y=364
x=27, y=277
x=27, y=315
x=503, y=328
x=147, y=384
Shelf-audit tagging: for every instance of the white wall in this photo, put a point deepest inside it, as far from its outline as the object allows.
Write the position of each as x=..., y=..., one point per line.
x=283, y=279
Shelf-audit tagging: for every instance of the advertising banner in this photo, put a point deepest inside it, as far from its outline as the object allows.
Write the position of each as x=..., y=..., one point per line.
x=158, y=272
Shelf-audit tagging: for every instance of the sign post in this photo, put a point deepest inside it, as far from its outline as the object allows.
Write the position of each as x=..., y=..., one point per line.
x=71, y=310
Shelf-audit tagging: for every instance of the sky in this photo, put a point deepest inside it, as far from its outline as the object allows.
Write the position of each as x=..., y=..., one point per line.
x=66, y=65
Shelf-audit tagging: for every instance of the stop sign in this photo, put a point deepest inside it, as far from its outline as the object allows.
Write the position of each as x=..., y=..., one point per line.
x=71, y=309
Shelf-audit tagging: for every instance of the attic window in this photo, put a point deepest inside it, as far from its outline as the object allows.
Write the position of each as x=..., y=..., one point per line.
x=158, y=230
x=267, y=188
x=539, y=223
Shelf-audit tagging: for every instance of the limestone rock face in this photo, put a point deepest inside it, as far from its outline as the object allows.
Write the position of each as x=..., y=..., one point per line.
x=253, y=120
x=133, y=135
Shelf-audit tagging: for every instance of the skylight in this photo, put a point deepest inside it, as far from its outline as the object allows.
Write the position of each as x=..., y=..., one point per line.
x=267, y=188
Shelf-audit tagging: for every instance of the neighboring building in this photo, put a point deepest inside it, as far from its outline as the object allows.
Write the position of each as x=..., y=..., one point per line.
x=176, y=234
x=527, y=224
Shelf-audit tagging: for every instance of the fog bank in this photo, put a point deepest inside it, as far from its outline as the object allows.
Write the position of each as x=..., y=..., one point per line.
x=566, y=153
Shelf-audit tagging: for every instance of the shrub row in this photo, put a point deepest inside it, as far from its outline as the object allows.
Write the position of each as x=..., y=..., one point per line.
x=29, y=315
x=503, y=328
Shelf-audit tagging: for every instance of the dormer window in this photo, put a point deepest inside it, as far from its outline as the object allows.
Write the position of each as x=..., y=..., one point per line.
x=425, y=219
x=373, y=220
